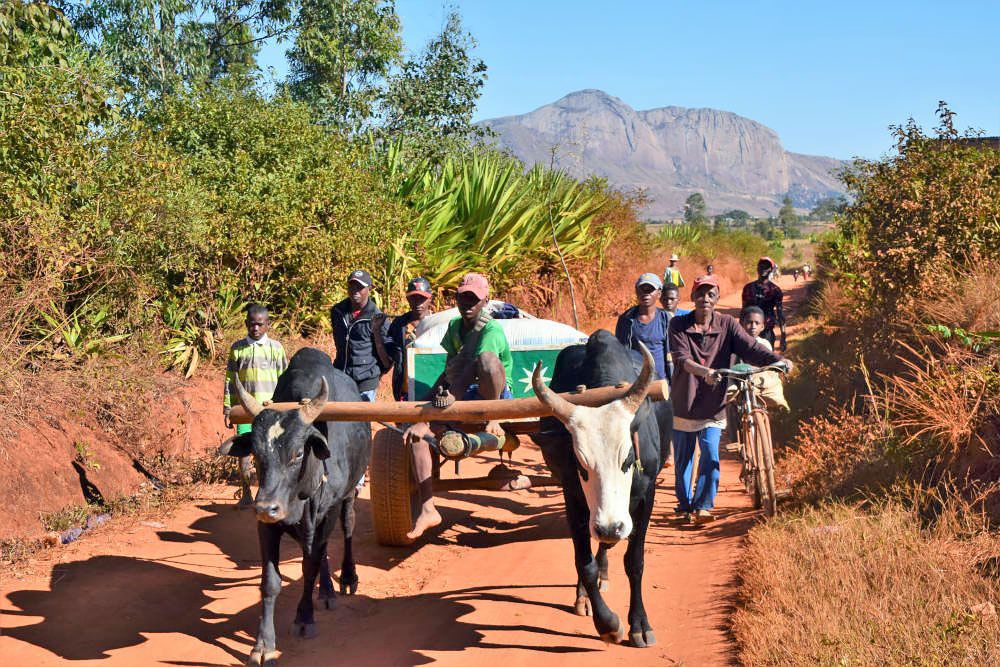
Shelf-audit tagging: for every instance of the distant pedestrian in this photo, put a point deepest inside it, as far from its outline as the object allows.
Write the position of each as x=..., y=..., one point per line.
x=257, y=361
x=672, y=274
x=806, y=270
x=765, y=294
x=795, y=274
x=710, y=269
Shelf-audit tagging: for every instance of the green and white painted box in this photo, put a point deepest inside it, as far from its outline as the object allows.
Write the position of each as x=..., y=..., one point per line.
x=426, y=365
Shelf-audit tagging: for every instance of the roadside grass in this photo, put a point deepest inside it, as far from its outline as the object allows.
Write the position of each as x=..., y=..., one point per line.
x=839, y=584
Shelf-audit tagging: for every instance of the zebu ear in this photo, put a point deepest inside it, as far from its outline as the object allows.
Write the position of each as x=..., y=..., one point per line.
x=238, y=445
x=317, y=443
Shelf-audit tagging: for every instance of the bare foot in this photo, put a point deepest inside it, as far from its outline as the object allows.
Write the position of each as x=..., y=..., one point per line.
x=427, y=519
x=494, y=428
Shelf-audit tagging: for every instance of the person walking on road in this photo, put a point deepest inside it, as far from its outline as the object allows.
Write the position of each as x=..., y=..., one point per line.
x=672, y=274
x=647, y=322
x=257, y=361
x=767, y=296
x=670, y=296
x=700, y=343
x=354, y=320
x=401, y=333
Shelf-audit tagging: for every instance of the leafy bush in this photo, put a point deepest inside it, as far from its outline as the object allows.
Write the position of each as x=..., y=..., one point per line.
x=482, y=211
x=918, y=215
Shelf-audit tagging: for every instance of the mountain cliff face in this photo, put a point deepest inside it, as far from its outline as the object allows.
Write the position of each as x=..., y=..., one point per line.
x=670, y=152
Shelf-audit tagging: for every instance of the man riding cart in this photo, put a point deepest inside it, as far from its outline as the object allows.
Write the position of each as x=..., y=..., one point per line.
x=477, y=368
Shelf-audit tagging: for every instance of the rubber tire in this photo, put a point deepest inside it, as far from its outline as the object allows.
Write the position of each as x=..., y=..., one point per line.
x=763, y=428
x=392, y=489
x=753, y=481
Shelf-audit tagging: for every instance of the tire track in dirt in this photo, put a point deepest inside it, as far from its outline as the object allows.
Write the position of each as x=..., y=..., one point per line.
x=493, y=586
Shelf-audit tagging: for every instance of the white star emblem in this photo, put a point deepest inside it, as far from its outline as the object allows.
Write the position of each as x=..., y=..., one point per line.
x=527, y=377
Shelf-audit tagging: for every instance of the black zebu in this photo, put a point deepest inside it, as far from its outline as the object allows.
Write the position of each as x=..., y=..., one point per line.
x=307, y=475
x=592, y=451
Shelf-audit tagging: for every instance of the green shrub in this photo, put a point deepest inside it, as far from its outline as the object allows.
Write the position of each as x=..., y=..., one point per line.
x=917, y=216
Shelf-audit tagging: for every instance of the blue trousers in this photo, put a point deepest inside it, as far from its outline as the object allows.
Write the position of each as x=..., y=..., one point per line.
x=703, y=496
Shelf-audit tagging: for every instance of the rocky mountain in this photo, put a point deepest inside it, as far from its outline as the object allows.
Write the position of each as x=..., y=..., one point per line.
x=671, y=152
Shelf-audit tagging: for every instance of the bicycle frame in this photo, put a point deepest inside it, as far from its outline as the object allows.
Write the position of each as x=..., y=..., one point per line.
x=755, y=448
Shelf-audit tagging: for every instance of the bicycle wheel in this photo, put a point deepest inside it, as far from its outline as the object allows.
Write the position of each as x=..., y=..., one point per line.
x=750, y=474
x=763, y=428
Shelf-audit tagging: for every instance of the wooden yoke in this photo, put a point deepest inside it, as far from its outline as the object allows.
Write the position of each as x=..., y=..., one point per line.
x=459, y=411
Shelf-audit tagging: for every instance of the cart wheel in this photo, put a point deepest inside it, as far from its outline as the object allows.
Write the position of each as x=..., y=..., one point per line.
x=393, y=492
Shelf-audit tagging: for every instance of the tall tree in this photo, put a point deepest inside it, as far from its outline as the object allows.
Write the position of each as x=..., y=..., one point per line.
x=342, y=53
x=694, y=208
x=432, y=99
x=787, y=217
x=160, y=47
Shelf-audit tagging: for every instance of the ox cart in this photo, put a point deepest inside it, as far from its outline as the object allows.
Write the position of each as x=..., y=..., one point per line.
x=394, y=496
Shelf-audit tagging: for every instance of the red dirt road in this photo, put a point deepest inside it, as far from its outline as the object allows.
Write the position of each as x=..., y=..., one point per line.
x=494, y=585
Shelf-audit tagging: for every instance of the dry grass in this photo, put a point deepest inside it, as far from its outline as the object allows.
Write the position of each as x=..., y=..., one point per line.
x=836, y=585
x=969, y=299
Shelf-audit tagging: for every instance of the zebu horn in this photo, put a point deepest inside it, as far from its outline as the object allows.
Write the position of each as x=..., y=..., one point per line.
x=311, y=410
x=560, y=407
x=248, y=402
x=636, y=394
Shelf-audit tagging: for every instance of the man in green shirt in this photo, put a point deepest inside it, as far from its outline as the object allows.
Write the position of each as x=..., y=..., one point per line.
x=479, y=367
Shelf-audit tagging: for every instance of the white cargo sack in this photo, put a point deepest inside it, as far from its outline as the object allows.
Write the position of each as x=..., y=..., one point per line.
x=526, y=331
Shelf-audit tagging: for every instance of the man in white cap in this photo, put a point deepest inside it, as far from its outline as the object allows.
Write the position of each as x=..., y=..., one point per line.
x=672, y=275
x=647, y=322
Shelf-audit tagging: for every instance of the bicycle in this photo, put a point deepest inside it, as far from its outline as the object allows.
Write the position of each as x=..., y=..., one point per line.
x=755, y=447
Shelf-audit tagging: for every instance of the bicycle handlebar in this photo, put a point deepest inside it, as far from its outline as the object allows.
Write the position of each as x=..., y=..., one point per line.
x=742, y=375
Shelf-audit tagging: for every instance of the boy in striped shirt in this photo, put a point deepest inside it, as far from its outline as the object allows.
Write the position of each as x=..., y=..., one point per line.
x=258, y=361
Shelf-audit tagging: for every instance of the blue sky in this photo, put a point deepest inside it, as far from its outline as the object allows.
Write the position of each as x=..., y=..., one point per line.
x=829, y=78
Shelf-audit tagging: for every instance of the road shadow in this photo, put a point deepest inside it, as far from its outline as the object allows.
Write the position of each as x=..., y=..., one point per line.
x=108, y=603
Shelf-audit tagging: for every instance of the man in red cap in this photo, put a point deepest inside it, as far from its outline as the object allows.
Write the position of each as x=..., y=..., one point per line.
x=767, y=296
x=479, y=367
x=701, y=342
x=391, y=348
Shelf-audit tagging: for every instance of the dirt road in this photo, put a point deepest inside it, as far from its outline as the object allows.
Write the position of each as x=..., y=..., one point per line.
x=494, y=585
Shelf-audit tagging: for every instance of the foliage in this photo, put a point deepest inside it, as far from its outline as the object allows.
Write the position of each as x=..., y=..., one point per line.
x=79, y=333
x=787, y=217
x=104, y=218
x=343, y=50
x=694, y=209
x=707, y=243
x=733, y=218
x=292, y=209
x=828, y=207
x=162, y=47
x=932, y=208
x=482, y=212
x=31, y=31
x=432, y=99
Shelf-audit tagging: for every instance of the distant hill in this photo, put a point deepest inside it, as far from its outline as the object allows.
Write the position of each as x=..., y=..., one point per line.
x=735, y=162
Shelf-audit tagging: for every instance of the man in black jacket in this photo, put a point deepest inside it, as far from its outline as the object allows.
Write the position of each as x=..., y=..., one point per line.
x=354, y=320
